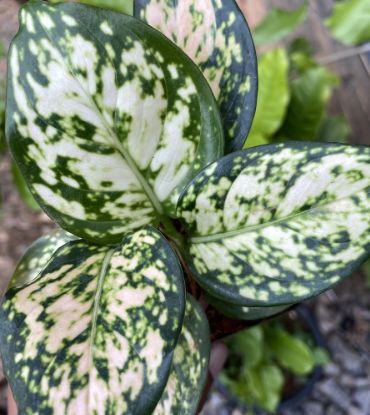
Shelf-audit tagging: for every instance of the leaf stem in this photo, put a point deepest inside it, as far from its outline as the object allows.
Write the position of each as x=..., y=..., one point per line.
x=171, y=232
x=177, y=241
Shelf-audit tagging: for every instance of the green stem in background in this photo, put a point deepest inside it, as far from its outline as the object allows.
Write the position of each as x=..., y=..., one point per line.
x=343, y=54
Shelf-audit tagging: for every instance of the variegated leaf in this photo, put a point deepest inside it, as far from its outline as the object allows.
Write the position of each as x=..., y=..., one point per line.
x=240, y=312
x=37, y=257
x=106, y=118
x=216, y=36
x=95, y=333
x=277, y=224
x=190, y=365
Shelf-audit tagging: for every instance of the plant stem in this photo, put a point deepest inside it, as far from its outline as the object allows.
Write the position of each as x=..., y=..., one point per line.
x=172, y=233
x=177, y=241
x=343, y=54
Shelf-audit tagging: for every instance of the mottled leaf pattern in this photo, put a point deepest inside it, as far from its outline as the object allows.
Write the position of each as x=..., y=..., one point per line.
x=37, y=257
x=107, y=119
x=276, y=224
x=216, y=36
x=190, y=364
x=95, y=334
x=240, y=312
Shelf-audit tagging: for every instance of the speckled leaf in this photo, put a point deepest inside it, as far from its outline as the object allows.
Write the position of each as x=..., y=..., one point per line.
x=276, y=224
x=240, y=312
x=106, y=118
x=190, y=364
x=37, y=257
x=95, y=334
x=216, y=36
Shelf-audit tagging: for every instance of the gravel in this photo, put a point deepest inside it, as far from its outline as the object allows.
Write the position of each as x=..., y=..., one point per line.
x=345, y=385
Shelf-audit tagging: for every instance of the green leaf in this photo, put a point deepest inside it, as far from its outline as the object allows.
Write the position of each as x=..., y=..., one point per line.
x=310, y=94
x=276, y=224
x=291, y=352
x=38, y=256
x=107, y=119
x=96, y=332
x=349, y=22
x=266, y=382
x=216, y=36
x=190, y=365
x=248, y=344
x=2, y=126
x=321, y=356
x=23, y=190
x=273, y=96
x=122, y=6
x=334, y=130
x=278, y=24
x=2, y=49
x=300, y=56
x=243, y=312
x=255, y=140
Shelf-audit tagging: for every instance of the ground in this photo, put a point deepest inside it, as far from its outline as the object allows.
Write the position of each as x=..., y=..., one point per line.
x=343, y=313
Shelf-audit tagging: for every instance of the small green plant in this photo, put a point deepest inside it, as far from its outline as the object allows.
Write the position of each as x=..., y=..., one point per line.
x=135, y=150
x=262, y=358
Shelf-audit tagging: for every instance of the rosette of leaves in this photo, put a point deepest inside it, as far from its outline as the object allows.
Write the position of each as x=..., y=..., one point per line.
x=121, y=141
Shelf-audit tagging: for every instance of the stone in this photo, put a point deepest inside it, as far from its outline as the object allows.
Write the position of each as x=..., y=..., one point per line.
x=294, y=411
x=349, y=381
x=355, y=411
x=336, y=394
x=345, y=357
x=362, y=399
x=214, y=401
x=334, y=410
x=313, y=408
x=331, y=369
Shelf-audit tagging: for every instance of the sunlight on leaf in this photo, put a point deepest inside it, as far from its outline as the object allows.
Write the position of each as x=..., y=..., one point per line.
x=273, y=96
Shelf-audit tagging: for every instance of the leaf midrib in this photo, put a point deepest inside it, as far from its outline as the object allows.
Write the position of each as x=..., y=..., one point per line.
x=223, y=235
x=94, y=318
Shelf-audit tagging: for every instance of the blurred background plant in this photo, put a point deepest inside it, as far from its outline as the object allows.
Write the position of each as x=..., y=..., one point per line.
x=294, y=87
x=273, y=361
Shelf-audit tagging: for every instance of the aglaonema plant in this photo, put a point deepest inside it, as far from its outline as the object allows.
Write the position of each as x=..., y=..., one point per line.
x=134, y=149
